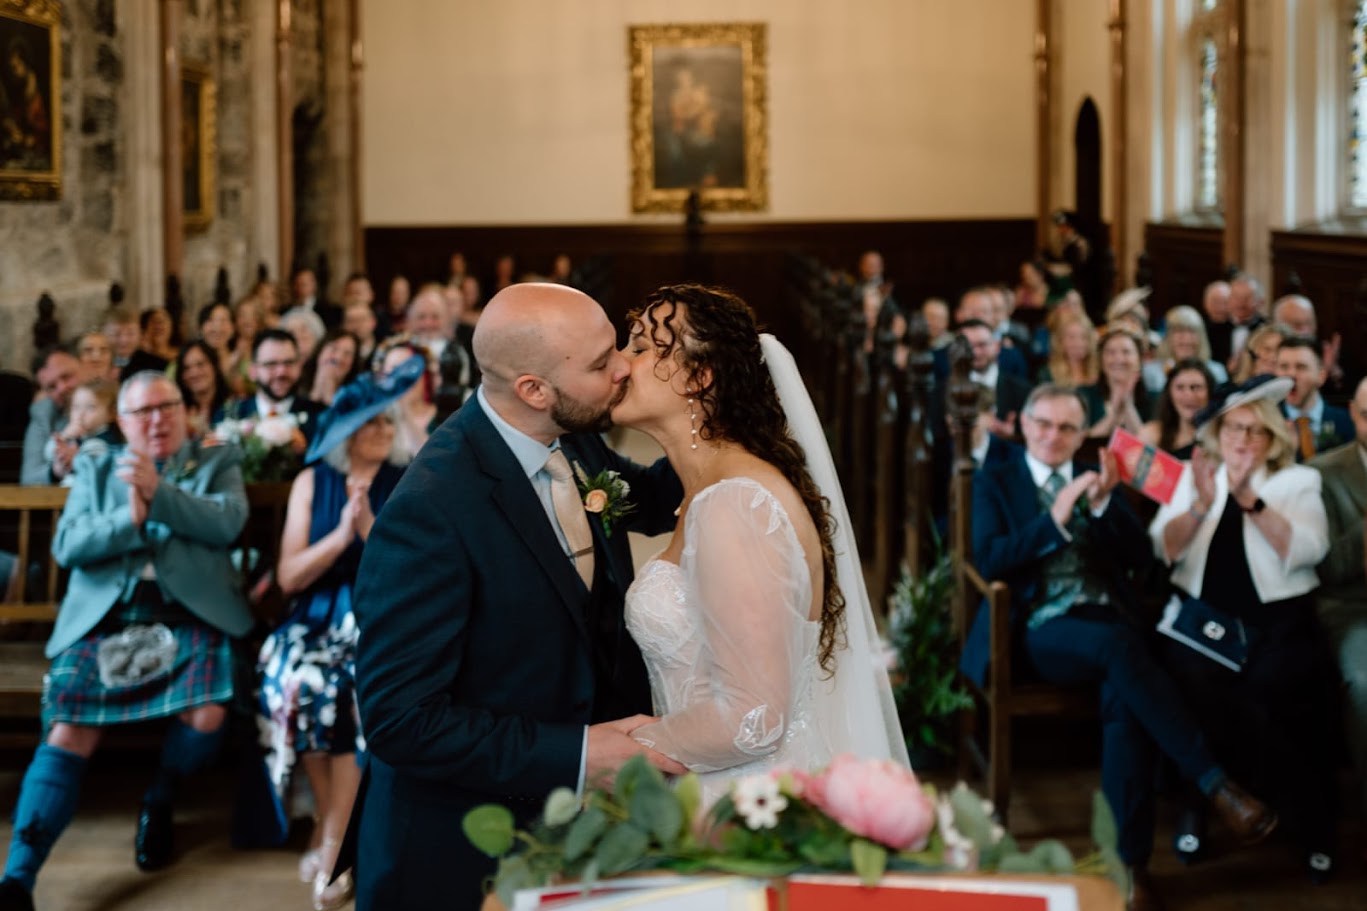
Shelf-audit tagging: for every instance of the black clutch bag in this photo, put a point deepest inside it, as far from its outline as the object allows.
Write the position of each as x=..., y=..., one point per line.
x=1206, y=630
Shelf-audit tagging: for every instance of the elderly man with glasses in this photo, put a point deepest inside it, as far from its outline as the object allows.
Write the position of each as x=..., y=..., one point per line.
x=146, y=628
x=1069, y=547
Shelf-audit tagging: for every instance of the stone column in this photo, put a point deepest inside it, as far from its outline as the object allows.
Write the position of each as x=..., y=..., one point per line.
x=337, y=130
x=1233, y=136
x=1044, y=119
x=1257, y=141
x=172, y=194
x=284, y=138
x=142, y=119
x=264, y=237
x=1119, y=140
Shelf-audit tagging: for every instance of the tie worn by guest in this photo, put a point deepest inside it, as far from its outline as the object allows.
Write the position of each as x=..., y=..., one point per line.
x=146, y=626
x=1243, y=533
x=1066, y=545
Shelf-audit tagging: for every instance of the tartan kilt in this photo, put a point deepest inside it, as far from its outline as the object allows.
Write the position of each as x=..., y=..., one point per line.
x=201, y=674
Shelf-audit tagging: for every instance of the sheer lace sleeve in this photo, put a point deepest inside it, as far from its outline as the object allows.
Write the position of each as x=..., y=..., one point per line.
x=748, y=582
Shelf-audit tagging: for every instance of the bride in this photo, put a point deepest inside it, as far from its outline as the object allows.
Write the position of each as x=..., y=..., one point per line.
x=754, y=622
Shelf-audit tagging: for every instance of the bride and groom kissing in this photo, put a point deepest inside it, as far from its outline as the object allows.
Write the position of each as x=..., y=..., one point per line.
x=506, y=651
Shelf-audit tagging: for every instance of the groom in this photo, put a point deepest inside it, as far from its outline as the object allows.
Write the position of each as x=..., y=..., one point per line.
x=493, y=662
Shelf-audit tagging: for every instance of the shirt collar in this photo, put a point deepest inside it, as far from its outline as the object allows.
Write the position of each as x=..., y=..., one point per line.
x=1040, y=472
x=986, y=377
x=1315, y=412
x=530, y=454
x=265, y=404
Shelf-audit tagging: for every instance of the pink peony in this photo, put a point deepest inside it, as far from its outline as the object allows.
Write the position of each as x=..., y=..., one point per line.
x=596, y=500
x=876, y=799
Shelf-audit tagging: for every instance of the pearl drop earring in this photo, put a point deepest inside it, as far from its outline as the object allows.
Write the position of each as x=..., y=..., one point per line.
x=693, y=422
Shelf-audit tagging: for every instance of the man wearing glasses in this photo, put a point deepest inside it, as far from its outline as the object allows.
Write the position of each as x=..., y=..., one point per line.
x=1070, y=549
x=275, y=369
x=146, y=628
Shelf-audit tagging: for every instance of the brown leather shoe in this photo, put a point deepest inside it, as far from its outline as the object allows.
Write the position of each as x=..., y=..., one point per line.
x=1144, y=895
x=1248, y=818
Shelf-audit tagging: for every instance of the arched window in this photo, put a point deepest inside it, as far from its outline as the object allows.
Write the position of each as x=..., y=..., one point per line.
x=1208, y=167
x=1357, y=110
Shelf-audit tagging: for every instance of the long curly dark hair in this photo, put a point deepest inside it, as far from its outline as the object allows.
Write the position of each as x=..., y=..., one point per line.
x=716, y=341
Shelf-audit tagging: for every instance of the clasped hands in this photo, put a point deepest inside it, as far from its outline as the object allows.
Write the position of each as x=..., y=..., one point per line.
x=1096, y=485
x=610, y=744
x=357, y=516
x=139, y=472
x=1239, y=471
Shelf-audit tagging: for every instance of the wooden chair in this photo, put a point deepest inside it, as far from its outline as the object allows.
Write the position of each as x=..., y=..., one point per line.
x=1006, y=694
x=22, y=664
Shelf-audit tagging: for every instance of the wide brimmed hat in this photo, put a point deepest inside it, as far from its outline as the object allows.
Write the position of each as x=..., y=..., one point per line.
x=1228, y=396
x=1127, y=301
x=359, y=401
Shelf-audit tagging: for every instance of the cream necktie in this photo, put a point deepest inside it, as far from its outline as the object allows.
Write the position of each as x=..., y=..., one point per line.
x=569, y=512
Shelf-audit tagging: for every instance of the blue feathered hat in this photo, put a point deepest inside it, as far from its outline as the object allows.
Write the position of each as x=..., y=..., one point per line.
x=359, y=401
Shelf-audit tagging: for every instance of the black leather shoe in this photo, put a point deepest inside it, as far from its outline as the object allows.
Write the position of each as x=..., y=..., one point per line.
x=153, y=845
x=14, y=897
x=1248, y=818
x=1189, y=841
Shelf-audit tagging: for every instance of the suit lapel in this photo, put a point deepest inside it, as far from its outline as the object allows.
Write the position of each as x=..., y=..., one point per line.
x=1020, y=488
x=513, y=494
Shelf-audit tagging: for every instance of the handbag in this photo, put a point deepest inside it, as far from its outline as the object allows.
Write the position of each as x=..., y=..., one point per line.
x=1206, y=630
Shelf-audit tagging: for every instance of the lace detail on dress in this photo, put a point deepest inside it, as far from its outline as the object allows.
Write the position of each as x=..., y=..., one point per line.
x=731, y=655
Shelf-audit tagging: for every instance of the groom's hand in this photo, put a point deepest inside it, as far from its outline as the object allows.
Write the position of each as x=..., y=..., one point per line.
x=610, y=745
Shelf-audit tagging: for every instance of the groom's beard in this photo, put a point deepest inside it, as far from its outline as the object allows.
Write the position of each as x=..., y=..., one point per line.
x=574, y=416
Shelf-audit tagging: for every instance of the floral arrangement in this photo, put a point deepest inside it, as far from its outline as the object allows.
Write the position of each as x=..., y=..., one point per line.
x=270, y=451
x=605, y=495
x=864, y=816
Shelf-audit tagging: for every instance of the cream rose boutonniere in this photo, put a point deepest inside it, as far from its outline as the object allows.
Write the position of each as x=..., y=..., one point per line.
x=605, y=495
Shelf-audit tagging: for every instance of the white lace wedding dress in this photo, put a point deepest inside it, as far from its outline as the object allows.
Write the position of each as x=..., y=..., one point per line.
x=731, y=654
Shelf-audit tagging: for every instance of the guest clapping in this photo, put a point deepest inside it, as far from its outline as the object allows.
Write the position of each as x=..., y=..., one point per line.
x=1118, y=398
x=332, y=366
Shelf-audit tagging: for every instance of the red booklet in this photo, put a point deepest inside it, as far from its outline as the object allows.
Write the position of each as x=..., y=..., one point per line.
x=1151, y=471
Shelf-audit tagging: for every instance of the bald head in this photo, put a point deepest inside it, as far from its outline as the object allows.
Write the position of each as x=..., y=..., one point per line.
x=1295, y=312
x=527, y=328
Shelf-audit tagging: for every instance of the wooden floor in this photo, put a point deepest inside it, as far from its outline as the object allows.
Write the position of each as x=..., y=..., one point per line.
x=92, y=867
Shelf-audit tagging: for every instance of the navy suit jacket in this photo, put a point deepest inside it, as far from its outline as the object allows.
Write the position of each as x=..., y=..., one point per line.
x=476, y=669
x=1012, y=534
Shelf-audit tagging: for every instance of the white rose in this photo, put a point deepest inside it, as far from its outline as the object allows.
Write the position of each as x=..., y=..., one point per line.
x=275, y=431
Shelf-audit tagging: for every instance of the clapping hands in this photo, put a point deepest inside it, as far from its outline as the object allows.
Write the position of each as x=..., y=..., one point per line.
x=357, y=516
x=139, y=472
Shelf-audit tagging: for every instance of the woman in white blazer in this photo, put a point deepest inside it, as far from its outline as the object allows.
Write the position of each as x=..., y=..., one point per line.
x=1243, y=534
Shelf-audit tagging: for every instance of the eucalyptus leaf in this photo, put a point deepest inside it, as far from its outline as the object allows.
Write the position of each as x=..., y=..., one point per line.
x=632, y=772
x=1054, y=855
x=870, y=859
x=655, y=809
x=1020, y=863
x=622, y=847
x=1105, y=835
x=583, y=832
x=561, y=807
x=490, y=829
x=970, y=817
x=513, y=874
x=688, y=790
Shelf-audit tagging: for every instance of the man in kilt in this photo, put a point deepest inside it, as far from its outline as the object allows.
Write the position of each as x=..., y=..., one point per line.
x=146, y=626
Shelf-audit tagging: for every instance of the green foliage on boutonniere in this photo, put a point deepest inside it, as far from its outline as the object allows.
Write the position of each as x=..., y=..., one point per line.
x=605, y=495
x=183, y=472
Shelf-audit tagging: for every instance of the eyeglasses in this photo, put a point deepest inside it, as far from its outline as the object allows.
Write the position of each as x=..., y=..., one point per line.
x=1245, y=431
x=165, y=409
x=271, y=365
x=1046, y=426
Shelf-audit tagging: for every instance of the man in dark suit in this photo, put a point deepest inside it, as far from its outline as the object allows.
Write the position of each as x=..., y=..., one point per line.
x=1316, y=426
x=494, y=664
x=276, y=369
x=1067, y=547
x=1247, y=311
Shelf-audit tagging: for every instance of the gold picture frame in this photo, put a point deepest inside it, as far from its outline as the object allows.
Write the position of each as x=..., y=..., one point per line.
x=198, y=119
x=30, y=100
x=699, y=116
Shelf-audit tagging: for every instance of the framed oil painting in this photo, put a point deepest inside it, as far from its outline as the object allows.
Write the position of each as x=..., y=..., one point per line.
x=197, y=139
x=699, y=118
x=30, y=99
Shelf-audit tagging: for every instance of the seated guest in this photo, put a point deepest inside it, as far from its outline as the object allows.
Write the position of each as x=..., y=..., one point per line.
x=122, y=329
x=977, y=304
x=267, y=297
x=332, y=366
x=428, y=322
x=1008, y=389
x=1215, y=313
x=1073, y=358
x=216, y=330
x=1259, y=356
x=474, y=297
x=393, y=315
x=1188, y=390
x=146, y=626
x=308, y=330
x=1118, y=398
x=1070, y=550
x=1342, y=604
x=307, y=705
x=158, y=334
x=1243, y=534
x=90, y=426
x=97, y=356
x=1297, y=313
x=936, y=314
x=1009, y=332
x=275, y=368
x=1033, y=292
x=1247, y=310
x=247, y=321
x=1185, y=339
x=202, y=387
x=1316, y=425
x=358, y=318
x=418, y=406
x=305, y=297
x=58, y=374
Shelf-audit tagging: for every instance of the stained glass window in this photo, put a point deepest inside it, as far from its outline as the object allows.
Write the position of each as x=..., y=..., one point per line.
x=1208, y=170
x=1357, y=111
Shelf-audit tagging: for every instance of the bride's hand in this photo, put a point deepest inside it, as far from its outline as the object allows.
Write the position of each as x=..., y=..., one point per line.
x=627, y=725
x=609, y=745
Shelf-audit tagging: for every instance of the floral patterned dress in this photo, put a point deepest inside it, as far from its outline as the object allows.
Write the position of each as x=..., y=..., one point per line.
x=307, y=701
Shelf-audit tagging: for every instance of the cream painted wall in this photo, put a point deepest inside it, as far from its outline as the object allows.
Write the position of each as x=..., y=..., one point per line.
x=516, y=111
x=1083, y=60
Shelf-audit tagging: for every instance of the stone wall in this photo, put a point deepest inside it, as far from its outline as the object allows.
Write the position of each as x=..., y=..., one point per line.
x=312, y=189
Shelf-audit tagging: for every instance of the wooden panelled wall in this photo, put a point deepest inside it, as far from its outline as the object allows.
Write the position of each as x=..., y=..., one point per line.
x=923, y=258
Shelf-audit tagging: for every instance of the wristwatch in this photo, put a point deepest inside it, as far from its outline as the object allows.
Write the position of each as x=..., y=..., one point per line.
x=1257, y=507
